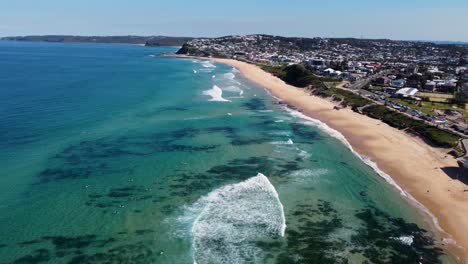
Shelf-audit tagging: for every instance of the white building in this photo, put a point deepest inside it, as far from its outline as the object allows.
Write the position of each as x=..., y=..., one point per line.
x=406, y=92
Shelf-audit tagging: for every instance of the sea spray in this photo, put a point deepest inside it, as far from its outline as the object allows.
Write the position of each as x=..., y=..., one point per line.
x=233, y=218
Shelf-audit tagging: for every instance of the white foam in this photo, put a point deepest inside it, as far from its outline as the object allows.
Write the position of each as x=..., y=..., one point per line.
x=279, y=121
x=197, y=117
x=280, y=133
x=216, y=94
x=232, y=218
x=233, y=89
x=309, y=173
x=405, y=240
x=288, y=142
x=207, y=70
x=304, y=154
x=449, y=241
x=208, y=64
x=213, y=76
x=229, y=75
x=195, y=71
x=334, y=133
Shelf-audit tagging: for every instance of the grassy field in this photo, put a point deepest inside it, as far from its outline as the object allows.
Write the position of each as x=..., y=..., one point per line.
x=332, y=84
x=436, y=97
x=426, y=107
x=374, y=88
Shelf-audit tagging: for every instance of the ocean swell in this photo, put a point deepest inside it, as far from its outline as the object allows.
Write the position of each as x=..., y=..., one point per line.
x=233, y=218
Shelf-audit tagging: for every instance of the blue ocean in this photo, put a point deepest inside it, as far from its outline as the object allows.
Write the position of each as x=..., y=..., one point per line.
x=115, y=154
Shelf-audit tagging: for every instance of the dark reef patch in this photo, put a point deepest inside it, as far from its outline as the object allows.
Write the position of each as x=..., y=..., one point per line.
x=312, y=240
x=143, y=231
x=242, y=169
x=137, y=253
x=379, y=240
x=249, y=141
x=37, y=256
x=93, y=249
x=226, y=130
x=30, y=242
x=117, y=197
x=161, y=110
x=255, y=104
x=306, y=132
x=187, y=187
x=102, y=156
x=71, y=243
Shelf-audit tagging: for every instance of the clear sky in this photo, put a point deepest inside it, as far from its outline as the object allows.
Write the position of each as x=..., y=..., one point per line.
x=395, y=19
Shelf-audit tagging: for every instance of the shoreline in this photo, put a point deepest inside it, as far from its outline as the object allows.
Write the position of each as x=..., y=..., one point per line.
x=415, y=167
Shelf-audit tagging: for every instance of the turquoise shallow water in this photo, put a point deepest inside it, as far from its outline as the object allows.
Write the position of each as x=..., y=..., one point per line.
x=110, y=155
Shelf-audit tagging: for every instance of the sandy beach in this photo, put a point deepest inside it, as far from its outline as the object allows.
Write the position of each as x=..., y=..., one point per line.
x=414, y=165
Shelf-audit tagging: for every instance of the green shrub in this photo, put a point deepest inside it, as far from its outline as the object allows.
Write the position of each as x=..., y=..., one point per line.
x=300, y=76
x=436, y=136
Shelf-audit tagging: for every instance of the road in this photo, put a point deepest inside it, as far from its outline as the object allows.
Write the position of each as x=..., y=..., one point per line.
x=377, y=98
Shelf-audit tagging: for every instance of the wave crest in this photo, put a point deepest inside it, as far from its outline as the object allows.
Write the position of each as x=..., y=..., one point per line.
x=233, y=218
x=216, y=94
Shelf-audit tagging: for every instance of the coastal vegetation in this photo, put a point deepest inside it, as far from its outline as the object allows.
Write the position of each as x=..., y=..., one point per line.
x=300, y=76
x=188, y=49
x=297, y=75
x=434, y=135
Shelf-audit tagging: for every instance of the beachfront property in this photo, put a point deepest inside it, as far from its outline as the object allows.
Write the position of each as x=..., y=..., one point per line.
x=429, y=78
x=406, y=92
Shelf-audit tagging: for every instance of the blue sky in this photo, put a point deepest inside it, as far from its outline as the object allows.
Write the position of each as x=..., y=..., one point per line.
x=395, y=19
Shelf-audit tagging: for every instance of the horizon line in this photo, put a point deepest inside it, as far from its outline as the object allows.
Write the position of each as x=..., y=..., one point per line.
x=221, y=36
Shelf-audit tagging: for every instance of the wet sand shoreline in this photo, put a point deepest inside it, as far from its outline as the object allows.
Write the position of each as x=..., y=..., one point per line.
x=419, y=169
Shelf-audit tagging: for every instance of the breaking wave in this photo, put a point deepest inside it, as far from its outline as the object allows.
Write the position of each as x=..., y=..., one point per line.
x=208, y=64
x=304, y=154
x=229, y=75
x=288, y=142
x=233, y=219
x=234, y=89
x=216, y=94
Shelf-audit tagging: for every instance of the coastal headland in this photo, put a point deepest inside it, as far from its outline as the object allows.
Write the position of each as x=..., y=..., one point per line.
x=418, y=168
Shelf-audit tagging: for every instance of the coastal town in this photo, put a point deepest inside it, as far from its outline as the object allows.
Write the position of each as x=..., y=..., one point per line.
x=301, y=132
x=424, y=81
